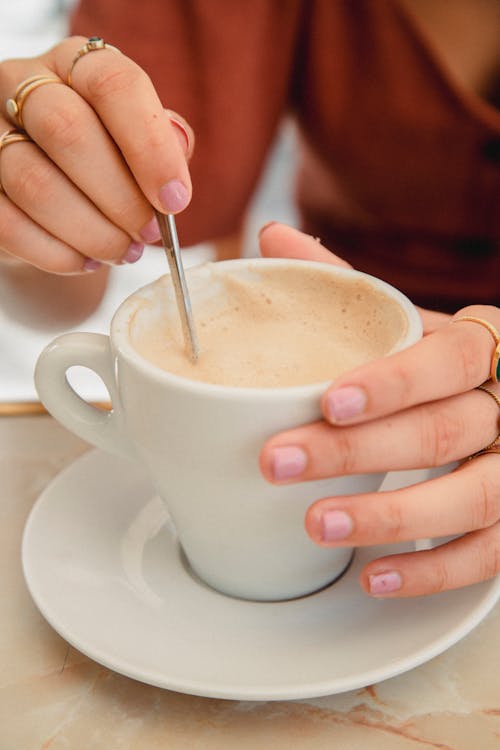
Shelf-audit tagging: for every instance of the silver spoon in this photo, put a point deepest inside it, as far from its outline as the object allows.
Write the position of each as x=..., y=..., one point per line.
x=170, y=241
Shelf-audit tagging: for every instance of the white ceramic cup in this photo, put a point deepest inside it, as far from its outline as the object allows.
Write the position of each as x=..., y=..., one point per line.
x=200, y=444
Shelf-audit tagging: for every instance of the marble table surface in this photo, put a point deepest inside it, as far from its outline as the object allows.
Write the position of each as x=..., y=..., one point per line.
x=54, y=698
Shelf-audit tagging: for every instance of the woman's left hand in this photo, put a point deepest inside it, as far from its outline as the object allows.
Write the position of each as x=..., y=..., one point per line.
x=418, y=408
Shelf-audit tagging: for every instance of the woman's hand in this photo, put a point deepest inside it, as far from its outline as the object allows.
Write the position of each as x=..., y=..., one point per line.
x=415, y=409
x=104, y=153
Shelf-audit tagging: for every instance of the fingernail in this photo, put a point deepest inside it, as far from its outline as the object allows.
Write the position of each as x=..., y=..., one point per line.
x=134, y=252
x=150, y=232
x=266, y=226
x=337, y=525
x=344, y=403
x=385, y=583
x=182, y=129
x=91, y=265
x=174, y=196
x=288, y=462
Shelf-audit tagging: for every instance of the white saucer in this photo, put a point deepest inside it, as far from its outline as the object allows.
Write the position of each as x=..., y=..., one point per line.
x=103, y=565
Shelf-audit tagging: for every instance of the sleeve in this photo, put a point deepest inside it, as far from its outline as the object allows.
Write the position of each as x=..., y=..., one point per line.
x=227, y=67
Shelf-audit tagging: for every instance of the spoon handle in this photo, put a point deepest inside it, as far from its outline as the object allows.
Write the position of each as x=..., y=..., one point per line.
x=170, y=241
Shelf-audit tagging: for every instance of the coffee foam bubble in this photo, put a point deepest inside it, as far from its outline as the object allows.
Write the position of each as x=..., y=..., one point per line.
x=269, y=327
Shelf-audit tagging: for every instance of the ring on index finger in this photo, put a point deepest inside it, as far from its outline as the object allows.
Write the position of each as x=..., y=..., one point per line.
x=93, y=44
x=15, y=104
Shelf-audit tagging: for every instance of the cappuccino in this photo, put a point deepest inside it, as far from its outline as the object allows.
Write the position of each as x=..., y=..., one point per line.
x=262, y=323
x=270, y=327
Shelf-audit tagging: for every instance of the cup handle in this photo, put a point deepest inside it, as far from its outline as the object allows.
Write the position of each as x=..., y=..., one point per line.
x=105, y=429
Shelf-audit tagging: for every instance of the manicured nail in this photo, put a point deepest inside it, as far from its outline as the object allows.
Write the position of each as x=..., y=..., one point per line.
x=134, y=252
x=385, y=583
x=288, y=462
x=150, y=232
x=337, y=525
x=91, y=265
x=174, y=196
x=266, y=226
x=182, y=129
x=345, y=403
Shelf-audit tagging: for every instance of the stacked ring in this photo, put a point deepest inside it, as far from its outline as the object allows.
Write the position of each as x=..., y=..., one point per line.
x=14, y=106
x=493, y=447
x=495, y=361
x=11, y=136
x=93, y=44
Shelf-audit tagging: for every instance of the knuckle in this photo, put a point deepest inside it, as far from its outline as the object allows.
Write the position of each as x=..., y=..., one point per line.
x=487, y=561
x=402, y=382
x=63, y=126
x=440, y=431
x=470, y=364
x=8, y=228
x=485, y=505
x=441, y=580
x=395, y=525
x=29, y=183
x=152, y=141
x=116, y=76
x=345, y=451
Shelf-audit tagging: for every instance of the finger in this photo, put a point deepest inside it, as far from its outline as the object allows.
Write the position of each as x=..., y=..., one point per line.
x=22, y=238
x=281, y=241
x=427, y=435
x=127, y=104
x=43, y=192
x=70, y=133
x=462, y=501
x=184, y=132
x=473, y=558
x=432, y=320
x=453, y=359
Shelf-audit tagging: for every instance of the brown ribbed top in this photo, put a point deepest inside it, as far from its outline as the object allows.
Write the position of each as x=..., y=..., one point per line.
x=400, y=167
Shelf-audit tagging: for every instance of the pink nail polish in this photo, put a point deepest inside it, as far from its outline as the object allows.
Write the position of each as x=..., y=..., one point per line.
x=182, y=128
x=150, y=232
x=91, y=265
x=385, y=583
x=345, y=403
x=266, y=226
x=174, y=196
x=287, y=462
x=337, y=525
x=134, y=252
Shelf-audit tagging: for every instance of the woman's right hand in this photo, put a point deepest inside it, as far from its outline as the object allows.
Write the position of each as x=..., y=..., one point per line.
x=104, y=155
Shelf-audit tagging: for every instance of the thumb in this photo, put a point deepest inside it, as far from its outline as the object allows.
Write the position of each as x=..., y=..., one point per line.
x=281, y=241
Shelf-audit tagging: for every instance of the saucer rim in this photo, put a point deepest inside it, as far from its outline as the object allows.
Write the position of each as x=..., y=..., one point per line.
x=479, y=610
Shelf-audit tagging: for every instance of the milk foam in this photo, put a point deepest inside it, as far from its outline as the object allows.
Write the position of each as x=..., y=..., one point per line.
x=269, y=327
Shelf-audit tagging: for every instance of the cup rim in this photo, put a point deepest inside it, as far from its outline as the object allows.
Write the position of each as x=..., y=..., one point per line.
x=121, y=344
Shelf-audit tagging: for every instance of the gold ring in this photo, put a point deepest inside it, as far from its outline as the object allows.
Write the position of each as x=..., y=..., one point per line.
x=93, y=44
x=495, y=360
x=14, y=106
x=13, y=136
x=493, y=447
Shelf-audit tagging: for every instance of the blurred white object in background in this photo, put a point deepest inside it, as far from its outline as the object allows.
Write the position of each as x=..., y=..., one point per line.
x=29, y=27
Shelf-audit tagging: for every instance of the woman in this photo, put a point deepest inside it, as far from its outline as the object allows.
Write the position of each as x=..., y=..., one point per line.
x=396, y=104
